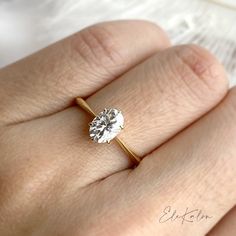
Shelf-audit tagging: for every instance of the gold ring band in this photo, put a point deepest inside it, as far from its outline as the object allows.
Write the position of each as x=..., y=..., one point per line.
x=84, y=105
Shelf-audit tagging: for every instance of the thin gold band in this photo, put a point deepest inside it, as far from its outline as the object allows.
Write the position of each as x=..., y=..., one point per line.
x=84, y=105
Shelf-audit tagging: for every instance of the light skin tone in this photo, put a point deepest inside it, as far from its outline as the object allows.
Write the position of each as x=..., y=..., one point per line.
x=179, y=117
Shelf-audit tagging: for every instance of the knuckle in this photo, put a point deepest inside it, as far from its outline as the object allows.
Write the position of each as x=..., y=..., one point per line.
x=97, y=45
x=200, y=71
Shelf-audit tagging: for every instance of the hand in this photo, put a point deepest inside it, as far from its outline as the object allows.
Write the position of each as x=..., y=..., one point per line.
x=55, y=181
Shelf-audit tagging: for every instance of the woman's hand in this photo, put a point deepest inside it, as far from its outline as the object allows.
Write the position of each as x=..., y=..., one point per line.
x=55, y=181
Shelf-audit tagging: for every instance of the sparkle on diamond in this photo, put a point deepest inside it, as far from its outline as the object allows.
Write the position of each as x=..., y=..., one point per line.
x=106, y=125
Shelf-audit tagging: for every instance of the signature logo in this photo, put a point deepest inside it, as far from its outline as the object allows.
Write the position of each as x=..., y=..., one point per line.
x=187, y=216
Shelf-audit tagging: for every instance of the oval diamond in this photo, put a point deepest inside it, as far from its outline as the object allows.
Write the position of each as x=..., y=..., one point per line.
x=106, y=125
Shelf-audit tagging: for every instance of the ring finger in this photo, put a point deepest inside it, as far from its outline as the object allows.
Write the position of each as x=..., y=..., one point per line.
x=158, y=98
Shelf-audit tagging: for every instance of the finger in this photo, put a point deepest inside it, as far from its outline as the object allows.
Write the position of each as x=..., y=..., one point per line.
x=226, y=226
x=49, y=80
x=158, y=98
x=194, y=171
x=163, y=95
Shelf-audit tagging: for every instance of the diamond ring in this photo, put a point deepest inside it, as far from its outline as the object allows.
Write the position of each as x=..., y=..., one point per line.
x=106, y=126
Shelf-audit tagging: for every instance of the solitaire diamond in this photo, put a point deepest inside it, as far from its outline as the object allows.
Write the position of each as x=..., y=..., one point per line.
x=106, y=125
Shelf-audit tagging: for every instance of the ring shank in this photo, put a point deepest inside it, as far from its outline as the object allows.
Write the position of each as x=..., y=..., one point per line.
x=84, y=105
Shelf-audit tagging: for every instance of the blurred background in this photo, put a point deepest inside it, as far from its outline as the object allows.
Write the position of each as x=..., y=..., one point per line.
x=29, y=25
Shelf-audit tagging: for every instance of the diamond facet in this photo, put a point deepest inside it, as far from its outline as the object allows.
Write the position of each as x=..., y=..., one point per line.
x=106, y=125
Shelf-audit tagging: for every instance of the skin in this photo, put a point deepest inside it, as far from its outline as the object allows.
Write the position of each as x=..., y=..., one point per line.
x=179, y=117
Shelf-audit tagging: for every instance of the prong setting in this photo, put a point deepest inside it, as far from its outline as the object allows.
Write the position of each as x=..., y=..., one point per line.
x=106, y=125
